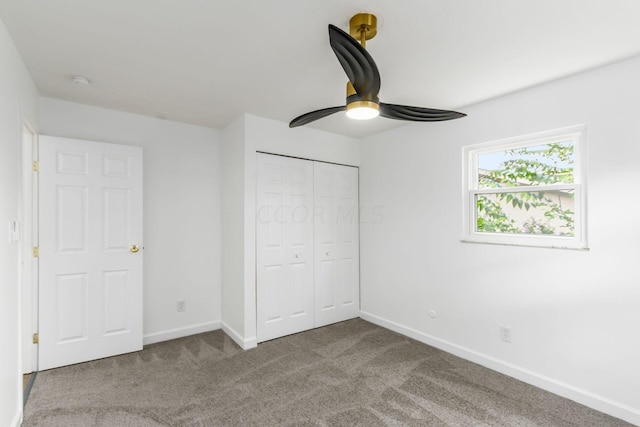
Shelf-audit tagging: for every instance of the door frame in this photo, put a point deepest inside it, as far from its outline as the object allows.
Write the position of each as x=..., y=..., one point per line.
x=28, y=240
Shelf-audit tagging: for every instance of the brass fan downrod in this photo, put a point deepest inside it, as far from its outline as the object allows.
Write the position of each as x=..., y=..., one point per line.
x=363, y=27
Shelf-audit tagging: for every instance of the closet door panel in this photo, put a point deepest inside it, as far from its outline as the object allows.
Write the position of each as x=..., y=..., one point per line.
x=336, y=277
x=325, y=285
x=284, y=246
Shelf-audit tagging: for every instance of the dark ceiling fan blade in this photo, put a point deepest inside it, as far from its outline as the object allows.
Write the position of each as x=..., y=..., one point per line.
x=315, y=115
x=360, y=67
x=417, y=114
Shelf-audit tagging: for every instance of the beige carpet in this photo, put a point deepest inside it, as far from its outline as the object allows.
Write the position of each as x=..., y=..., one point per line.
x=349, y=374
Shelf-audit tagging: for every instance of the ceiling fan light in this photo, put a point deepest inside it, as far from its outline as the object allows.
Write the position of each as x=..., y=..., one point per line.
x=362, y=110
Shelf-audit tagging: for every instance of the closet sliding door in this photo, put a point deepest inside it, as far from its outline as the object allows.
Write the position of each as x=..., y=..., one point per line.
x=336, y=243
x=307, y=245
x=284, y=246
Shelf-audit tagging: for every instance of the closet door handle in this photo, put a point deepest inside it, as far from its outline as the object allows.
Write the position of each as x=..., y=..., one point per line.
x=297, y=255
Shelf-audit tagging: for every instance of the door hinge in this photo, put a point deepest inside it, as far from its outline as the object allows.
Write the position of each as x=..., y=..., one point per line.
x=36, y=338
x=36, y=252
x=36, y=166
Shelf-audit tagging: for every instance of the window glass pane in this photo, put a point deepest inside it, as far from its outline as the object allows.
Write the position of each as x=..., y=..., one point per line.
x=528, y=212
x=526, y=166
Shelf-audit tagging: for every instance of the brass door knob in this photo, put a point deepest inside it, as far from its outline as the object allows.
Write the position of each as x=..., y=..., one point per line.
x=134, y=248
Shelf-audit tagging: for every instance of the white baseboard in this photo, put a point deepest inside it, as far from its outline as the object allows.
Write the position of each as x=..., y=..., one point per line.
x=17, y=419
x=185, y=331
x=560, y=388
x=244, y=343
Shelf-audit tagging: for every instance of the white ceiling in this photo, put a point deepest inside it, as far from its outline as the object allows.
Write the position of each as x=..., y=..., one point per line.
x=208, y=61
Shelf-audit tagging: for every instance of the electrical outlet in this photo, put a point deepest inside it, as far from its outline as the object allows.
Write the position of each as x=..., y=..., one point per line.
x=505, y=333
x=181, y=305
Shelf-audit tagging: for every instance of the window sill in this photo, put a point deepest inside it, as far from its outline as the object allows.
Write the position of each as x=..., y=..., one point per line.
x=554, y=245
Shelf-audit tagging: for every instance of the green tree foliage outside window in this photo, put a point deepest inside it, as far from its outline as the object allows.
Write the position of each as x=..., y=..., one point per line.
x=530, y=211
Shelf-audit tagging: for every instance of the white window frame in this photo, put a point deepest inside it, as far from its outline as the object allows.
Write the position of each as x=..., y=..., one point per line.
x=471, y=190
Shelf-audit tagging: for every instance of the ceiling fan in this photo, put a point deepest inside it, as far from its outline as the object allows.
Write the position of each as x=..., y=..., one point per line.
x=364, y=80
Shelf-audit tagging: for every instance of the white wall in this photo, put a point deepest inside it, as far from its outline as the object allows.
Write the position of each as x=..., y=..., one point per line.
x=233, y=147
x=260, y=134
x=574, y=314
x=18, y=102
x=181, y=210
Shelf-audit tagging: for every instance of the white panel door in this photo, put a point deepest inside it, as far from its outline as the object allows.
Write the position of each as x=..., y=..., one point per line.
x=90, y=219
x=336, y=243
x=284, y=246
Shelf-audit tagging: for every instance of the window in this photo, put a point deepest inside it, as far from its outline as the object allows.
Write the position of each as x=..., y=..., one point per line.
x=527, y=190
